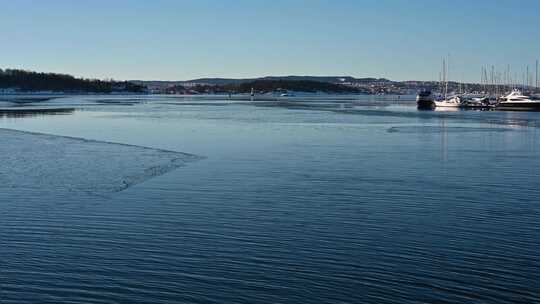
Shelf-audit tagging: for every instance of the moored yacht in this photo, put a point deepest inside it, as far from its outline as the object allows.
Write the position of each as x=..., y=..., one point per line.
x=477, y=103
x=447, y=101
x=517, y=101
x=452, y=102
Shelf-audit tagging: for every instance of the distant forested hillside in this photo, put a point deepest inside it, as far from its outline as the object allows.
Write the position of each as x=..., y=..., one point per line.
x=291, y=85
x=27, y=81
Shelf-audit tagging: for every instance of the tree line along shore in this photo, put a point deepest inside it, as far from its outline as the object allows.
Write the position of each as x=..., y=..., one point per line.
x=22, y=81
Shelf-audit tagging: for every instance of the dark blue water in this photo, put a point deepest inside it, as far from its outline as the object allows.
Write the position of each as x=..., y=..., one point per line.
x=317, y=203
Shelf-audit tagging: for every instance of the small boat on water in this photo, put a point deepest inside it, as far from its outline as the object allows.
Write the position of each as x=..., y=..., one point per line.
x=424, y=100
x=448, y=101
x=452, y=102
x=286, y=94
x=483, y=100
x=517, y=101
x=462, y=102
x=477, y=103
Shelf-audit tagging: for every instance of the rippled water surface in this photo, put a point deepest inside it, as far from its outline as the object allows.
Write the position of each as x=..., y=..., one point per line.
x=309, y=200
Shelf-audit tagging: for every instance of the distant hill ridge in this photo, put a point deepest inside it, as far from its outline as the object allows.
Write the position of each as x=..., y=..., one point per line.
x=14, y=80
x=237, y=81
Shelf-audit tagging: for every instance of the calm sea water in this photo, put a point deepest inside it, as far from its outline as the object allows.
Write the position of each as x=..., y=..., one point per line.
x=316, y=200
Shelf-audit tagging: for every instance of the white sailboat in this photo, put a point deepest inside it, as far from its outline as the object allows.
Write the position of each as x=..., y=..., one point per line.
x=448, y=101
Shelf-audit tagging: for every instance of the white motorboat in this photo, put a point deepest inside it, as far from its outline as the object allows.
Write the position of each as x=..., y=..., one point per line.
x=517, y=101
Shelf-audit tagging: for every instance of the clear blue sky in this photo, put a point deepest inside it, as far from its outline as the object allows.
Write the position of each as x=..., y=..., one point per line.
x=178, y=40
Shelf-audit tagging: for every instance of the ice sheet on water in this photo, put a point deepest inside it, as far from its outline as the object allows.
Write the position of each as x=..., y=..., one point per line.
x=33, y=161
x=445, y=129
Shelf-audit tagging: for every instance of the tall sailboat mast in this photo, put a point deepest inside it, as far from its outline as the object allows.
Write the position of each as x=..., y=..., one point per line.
x=508, y=79
x=536, y=75
x=528, y=77
x=443, y=78
x=445, y=64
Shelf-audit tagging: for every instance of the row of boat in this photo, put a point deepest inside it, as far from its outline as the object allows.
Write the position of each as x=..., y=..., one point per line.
x=515, y=100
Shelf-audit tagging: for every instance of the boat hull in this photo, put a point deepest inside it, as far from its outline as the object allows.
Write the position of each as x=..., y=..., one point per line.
x=425, y=104
x=519, y=106
x=424, y=100
x=447, y=105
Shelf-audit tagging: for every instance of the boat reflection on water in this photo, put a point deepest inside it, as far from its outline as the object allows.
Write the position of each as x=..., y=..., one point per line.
x=447, y=109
